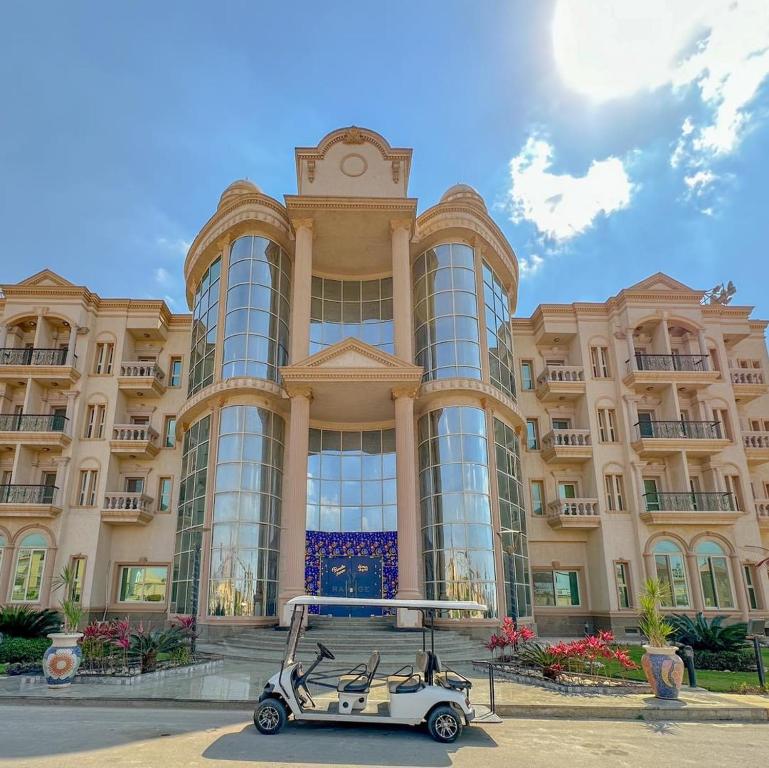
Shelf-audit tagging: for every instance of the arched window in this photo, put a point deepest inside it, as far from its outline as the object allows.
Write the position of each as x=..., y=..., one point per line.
x=30, y=564
x=671, y=571
x=714, y=575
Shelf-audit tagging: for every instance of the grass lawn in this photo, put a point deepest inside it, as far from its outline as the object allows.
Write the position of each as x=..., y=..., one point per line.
x=3, y=667
x=722, y=682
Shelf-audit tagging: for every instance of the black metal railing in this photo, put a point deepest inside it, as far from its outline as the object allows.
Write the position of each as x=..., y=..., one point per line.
x=32, y=422
x=706, y=501
x=27, y=494
x=671, y=363
x=694, y=430
x=32, y=356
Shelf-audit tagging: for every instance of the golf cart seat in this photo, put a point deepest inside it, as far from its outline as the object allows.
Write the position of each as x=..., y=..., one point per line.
x=448, y=678
x=360, y=677
x=410, y=679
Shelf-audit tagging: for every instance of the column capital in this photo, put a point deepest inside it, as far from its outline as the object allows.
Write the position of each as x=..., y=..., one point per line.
x=401, y=223
x=61, y=461
x=71, y=394
x=298, y=391
x=303, y=223
x=405, y=391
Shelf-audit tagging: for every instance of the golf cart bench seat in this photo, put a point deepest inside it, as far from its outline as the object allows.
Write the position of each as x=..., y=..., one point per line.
x=360, y=677
x=410, y=679
x=448, y=678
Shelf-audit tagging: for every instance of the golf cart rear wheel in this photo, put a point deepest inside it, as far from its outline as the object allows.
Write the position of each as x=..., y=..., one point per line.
x=270, y=716
x=444, y=724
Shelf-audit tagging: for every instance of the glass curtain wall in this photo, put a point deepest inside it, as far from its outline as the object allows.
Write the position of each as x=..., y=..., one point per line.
x=499, y=334
x=191, y=512
x=362, y=309
x=245, y=536
x=256, y=324
x=455, y=502
x=205, y=312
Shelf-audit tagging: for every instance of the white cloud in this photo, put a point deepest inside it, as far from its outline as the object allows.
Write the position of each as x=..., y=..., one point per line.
x=562, y=206
x=699, y=181
x=162, y=276
x=530, y=266
x=178, y=245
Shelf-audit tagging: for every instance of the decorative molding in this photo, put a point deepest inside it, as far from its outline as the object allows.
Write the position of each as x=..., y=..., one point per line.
x=396, y=166
x=310, y=170
x=353, y=135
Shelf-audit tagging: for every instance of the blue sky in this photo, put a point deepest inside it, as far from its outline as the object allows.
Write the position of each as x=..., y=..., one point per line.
x=610, y=142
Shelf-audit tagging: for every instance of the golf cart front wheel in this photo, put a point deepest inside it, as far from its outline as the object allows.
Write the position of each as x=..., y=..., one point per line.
x=270, y=716
x=444, y=724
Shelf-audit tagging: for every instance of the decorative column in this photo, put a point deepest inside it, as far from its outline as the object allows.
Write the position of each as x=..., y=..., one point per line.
x=62, y=484
x=405, y=464
x=739, y=587
x=71, y=345
x=631, y=364
x=69, y=426
x=695, y=585
x=649, y=565
x=403, y=325
x=703, y=347
x=301, y=291
x=294, y=512
x=3, y=335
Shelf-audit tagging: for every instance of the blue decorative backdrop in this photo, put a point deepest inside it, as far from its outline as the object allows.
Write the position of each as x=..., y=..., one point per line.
x=382, y=544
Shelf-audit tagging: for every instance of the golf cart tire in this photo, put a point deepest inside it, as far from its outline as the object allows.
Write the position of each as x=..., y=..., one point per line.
x=270, y=716
x=444, y=724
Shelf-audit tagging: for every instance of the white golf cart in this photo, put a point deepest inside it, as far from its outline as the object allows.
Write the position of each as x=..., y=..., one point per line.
x=415, y=694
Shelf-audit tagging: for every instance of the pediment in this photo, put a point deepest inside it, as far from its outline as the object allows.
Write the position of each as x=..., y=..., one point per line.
x=660, y=282
x=352, y=353
x=46, y=278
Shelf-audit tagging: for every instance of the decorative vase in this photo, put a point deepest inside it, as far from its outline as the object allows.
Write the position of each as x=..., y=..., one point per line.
x=664, y=670
x=62, y=659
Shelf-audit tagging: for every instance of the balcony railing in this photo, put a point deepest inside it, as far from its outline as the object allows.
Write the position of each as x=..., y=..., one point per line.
x=571, y=438
x=32, y=356
x=691, y=430
x=669, y=363
x=713, y=501
x=574, y=508
x=127, y=501
x=27, y=494
x=32, y=422
x=561, y=373
x=747, y=376
x=134, y=432
x=755, y=439
x=142, y=370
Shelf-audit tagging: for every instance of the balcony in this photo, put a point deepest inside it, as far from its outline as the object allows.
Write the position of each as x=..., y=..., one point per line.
x=573, y=513
x=19, y=500
x=663, y=438
x=47, y=365
x=137, y=441
x=748, y=383
x=654, y=371
x=561, y=382
x=714, y=507
x=762, y=511
x=127, y=509
x=564, y=446
x=44, y=429
x=143, y=379
x=756, y=446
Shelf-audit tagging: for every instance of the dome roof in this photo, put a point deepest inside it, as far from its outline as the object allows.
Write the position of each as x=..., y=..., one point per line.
x=237, y=188
x=464, y=193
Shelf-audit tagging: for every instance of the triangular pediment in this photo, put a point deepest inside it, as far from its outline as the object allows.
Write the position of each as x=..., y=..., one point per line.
x=46, y=278
x=352, y=353
x=661, y=282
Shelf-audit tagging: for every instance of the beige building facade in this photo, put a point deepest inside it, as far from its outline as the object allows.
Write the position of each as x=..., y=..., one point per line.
x=351, y=409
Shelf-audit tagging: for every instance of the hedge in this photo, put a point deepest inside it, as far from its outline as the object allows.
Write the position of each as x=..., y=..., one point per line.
x=22, y=649
x=742, y=660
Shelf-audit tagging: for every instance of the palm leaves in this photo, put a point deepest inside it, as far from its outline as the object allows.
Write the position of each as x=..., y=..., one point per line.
x=704, y=635
x=22, y=621
x=652, y=623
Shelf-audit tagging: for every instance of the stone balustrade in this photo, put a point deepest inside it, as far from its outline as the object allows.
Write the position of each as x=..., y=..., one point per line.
x=573, y=508
x=134, y=433
x=755, y=439
x=561, y=373
x=127, y=501
x=142, y=369
x=570, y=438
x=747, y=376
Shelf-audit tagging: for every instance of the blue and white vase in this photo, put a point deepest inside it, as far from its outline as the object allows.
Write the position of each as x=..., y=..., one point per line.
x=62, y=659
x=664, y=670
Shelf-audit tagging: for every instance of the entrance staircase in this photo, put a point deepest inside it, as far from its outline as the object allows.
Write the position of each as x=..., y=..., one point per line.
x=351, y=640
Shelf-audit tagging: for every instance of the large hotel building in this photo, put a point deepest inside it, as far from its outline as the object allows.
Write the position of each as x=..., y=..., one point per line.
x=351, y=408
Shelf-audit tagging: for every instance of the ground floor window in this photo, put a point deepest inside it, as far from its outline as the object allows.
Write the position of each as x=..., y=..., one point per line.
x=750, y=586
x=671, y=571
x=622, y=579
x=30, y=565
x=77, y=566
x=143, y=583
x=556, y=588
x=714, y=575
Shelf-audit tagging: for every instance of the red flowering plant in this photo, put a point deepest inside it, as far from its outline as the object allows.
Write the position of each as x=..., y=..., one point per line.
x=509, y=636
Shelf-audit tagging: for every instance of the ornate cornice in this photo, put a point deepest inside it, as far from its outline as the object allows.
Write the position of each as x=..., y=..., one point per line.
x=491, y=396
x=300, y=203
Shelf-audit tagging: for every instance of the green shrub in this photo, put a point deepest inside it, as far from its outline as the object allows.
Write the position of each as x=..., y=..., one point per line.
x=25, y=669
x=704, y=635
x=741, y=660
x=22, y=621
x=23, y=649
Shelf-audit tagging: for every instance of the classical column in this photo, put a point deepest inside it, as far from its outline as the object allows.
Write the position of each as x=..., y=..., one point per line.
x=294, y=512
x=405, y=465
x=301, y=290
x=703, y=347
x=62, y=481
x=3, y=335
x=71, y=345
x=631, y=364
x=69, y=425
x=649, y=565
x=739, y=587
x=695, y=585
x=402, y=304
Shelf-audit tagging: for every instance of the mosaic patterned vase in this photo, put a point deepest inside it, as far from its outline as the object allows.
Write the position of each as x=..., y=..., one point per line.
x=62, y=659
x=664, y=670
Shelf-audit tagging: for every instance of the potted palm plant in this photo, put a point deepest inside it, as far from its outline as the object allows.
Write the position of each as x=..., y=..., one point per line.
x=62, y=659
x=663, y=668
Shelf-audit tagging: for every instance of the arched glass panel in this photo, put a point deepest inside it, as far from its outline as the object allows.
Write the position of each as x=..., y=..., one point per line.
x=499, y=335
x=715, y=579
x=446, y=313
x=256, y=324
x=361, y=309
x=671, y=572
x=205, y=312
x=30, y=568
x=34, y=540
x=457, y=532
x=245, y=534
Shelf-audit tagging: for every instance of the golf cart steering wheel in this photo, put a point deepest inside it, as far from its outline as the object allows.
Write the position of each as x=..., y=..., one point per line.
x=324, y=652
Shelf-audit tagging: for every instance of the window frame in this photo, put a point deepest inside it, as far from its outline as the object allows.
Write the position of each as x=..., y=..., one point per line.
x=104, y=358
x=87, y=487
x=541, y=485
x=161, y=604
x=607, y=425
x=170, y=495
x=96, y=417
x=174, y=378
x=31, y=551
x=553, y=572
x=532, y=441
x=527, y=365
x=599, y=359
x=623, y=567
x=169, y=426
x=614, y=487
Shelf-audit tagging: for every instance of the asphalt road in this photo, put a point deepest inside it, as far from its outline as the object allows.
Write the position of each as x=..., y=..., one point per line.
x=84, y=737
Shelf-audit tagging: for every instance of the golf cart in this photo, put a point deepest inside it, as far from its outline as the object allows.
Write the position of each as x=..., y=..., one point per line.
x=415, y=694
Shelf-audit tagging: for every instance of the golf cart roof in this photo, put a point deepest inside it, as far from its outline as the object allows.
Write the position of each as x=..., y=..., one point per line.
x=445, y=605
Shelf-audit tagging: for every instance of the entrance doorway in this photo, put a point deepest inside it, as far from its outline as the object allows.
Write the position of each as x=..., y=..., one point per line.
x=351, y=577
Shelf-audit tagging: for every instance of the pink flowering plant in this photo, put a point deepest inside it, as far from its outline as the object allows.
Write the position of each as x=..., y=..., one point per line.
x=510, y=636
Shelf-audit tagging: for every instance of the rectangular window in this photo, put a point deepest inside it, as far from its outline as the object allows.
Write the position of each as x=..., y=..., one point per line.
x=607, y=429
x=724, y=428
x=556, y=588
x=527, y=374
x=615, y=493
x=77, y=566
x=87, y=493
x=537, y=489
x=750, y=586
x=600, y=360
x=651, y=494
x=165, y=485
x=134, y=485
x=622, y=580
x=103, y=361
x=567, y=490
x=175, y=374
x=143, y=583
x=734, y=487
x=28, y=576
x=169, y=432
x=94, y=422
x=532, y=435
x=561, y=423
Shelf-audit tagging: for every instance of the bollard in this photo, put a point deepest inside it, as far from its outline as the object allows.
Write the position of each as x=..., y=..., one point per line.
x=687, y=654
x=492, y=697
x=759, y=662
